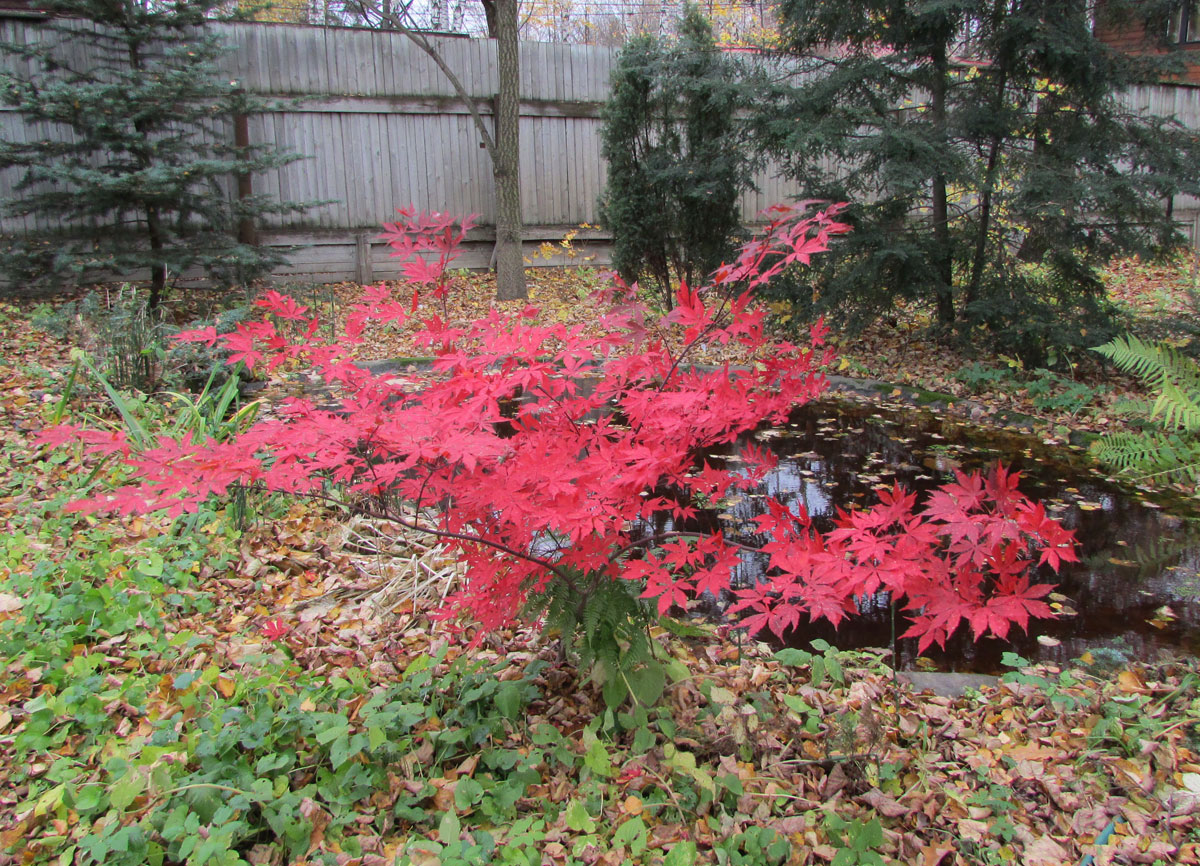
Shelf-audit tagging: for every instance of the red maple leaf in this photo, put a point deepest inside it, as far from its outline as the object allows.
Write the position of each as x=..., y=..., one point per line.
x=275, y=628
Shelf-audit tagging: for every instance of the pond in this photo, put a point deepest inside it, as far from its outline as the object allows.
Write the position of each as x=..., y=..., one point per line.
x=1134, y=594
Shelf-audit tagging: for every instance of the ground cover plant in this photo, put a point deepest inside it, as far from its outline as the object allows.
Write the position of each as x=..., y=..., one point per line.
x=195, y=692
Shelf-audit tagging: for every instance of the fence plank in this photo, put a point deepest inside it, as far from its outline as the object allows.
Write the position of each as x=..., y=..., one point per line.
x=383, y=129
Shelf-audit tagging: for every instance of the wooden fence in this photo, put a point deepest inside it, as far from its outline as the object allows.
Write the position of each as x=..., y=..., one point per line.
x=381, y=127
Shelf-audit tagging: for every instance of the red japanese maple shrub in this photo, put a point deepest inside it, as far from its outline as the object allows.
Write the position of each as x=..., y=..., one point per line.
x=962, y=558
x=602, y=444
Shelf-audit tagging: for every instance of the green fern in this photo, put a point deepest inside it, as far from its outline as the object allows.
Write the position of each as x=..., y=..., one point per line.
x=605, y=622
x=1169, y=449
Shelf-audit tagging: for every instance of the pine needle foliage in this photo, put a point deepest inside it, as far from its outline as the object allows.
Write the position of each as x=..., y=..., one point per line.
x=993, y=162
x=137, y=178
x=1168, y=446
x=676, y=168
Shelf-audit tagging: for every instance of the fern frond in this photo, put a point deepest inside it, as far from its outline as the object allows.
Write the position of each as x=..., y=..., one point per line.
x=1178, y=409
x=1149, y=455
x=596, y=609
x=1172, y=451
x=1156, y=364
x=1132, y=406
x=1128, y=451
x=1188, y=470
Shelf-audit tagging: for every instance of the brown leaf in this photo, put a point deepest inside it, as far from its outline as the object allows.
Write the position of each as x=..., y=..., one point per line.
x=443, y=800
x=226, y=686
x=834, y=782
x=1066, y=801
x=974, y=831
x=1134, y=849
x=791, y=825
x=14, y=834
x=1045, y=851
x=1131, y=682
x=467, y=767
x=265, y=855
x=932, y=855
x=883, y=804
x=319, y=819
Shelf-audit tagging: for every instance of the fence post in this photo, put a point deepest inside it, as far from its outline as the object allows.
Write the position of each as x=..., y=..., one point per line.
x=1195, y=248
x=362, y=259
x=247, y=232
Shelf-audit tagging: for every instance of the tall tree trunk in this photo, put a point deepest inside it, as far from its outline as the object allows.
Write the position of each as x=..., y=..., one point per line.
x=506, y=162
x=158, y=271
x=1036, y=242
x=944, y=257
x=502, y=143
x=985, y=202
x=154, y=227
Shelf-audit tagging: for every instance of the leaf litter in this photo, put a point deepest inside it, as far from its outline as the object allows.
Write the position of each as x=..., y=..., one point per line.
x=1049, y=766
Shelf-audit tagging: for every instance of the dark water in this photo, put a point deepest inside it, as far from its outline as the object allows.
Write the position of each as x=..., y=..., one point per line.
x=1135, y=593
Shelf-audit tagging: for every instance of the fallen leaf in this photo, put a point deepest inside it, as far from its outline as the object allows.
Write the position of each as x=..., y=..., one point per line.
x=319, y=819
x=883, y=804
x=932, y=855
x=226, y=686
x=1045, y=851
x=1128, y=681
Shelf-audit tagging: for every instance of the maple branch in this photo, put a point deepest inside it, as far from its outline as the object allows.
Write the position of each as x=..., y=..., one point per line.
x=421, y=492
x=475, y=539
x=683, y=353
x=676, y=533
x=368, y=441
x=571, y=419
x=436, y=533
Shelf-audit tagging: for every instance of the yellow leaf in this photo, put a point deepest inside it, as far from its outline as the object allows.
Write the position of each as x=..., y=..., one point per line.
x=226, y=687
x=1128, y=681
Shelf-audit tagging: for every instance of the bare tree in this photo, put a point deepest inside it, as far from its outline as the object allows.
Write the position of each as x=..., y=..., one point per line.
x=503, y=147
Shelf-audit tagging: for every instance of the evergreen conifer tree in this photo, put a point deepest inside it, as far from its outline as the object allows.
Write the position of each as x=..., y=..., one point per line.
x=675, y=166
x=991, y=159
x=128, y=159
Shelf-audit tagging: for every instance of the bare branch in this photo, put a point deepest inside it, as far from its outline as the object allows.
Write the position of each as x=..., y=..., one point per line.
x=395, y=21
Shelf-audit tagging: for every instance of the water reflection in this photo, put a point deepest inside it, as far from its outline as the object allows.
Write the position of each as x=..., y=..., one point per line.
x=1135, y=588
